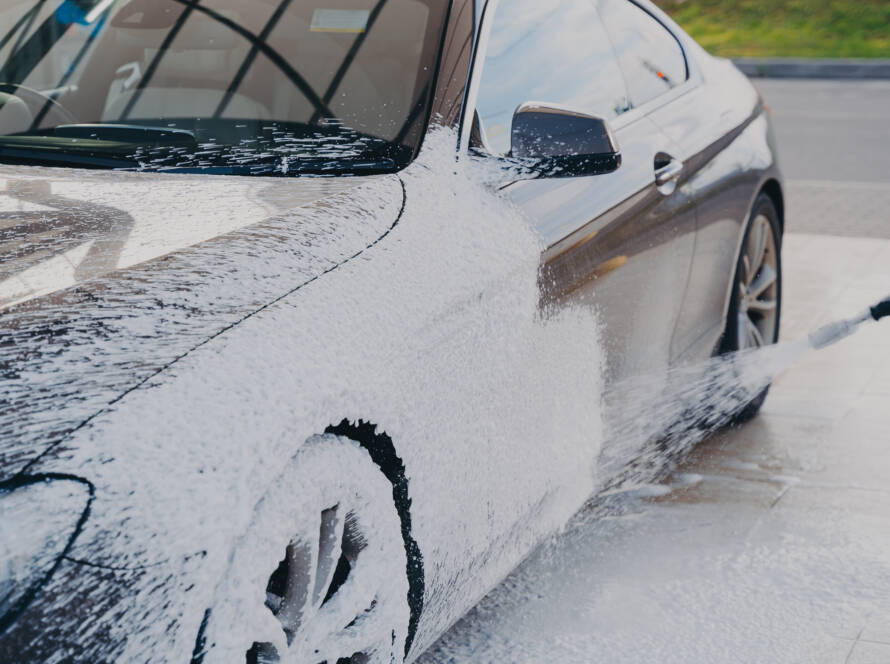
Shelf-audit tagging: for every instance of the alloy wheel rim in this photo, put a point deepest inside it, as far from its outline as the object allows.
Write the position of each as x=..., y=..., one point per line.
x=325, y=595
x=758, y=287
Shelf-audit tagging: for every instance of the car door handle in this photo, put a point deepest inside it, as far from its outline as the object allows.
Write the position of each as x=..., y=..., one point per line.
x=668, y=173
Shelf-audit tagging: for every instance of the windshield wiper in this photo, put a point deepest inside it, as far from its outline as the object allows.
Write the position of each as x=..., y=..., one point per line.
x=121, y=133
x=173, y=150
x=43, y=155
x=91, y=145
x=293, y=168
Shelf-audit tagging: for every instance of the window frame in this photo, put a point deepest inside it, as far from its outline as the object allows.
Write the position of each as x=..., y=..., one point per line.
x=486, y=15
x=683, y=50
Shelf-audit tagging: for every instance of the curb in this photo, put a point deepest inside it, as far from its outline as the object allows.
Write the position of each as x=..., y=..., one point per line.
x=814, y=68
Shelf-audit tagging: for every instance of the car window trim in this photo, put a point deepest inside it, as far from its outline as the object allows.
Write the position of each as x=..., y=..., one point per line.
x=693, y=76
x=664, y=25
x=480, y=47
x=653, y=105
x=477, y=60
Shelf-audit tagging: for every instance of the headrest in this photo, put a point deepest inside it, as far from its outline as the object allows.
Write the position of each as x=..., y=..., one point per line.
x=15, y=116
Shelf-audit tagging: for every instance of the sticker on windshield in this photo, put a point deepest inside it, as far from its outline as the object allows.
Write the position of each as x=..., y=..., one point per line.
x=353, y=21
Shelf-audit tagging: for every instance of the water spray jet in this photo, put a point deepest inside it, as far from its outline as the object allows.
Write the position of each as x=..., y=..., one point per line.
x=697, y=400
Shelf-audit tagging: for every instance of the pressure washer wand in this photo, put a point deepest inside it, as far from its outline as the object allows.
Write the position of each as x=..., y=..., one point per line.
x=834, y=332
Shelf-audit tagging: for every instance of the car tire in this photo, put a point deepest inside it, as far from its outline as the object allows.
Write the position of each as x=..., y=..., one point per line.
x=334, y=576
x=755, y=306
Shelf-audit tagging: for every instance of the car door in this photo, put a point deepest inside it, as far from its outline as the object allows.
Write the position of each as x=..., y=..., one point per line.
x=621, y=243
x=654, y=64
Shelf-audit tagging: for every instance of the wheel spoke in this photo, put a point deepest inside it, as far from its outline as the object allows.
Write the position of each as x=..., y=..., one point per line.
x=742, y=321
x=342, y=609
x=349, y=620
x=337, y=622
x=296, y=605
x=766, y=279
x=340, y=593
x=755, y=335
x=762, y=306
x=329, y=549
x=367, y=630
x=757, y=243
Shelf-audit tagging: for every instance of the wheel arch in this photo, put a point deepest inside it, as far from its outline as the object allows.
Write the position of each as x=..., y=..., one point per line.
x=382, y=450
x=773, y=189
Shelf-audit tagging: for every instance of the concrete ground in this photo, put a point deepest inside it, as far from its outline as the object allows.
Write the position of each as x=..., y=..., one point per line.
x=772, y=542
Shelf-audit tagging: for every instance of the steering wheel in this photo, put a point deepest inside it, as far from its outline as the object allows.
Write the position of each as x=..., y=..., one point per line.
x=41, y=106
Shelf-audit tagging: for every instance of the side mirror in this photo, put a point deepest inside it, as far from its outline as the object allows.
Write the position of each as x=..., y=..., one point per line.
x=552, y=142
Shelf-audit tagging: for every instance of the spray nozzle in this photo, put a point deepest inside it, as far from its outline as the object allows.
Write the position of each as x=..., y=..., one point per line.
x=834, y=332
x=881, y=310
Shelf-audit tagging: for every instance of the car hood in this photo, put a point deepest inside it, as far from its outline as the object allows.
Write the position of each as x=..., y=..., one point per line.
x=106, y=278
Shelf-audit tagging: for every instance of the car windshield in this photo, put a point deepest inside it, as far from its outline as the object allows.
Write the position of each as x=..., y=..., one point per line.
x=254, y=87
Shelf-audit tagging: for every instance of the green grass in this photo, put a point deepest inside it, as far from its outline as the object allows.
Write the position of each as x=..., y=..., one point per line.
x=787, y=28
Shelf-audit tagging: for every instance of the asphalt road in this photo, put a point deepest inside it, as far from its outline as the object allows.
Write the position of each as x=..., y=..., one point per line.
x=834, y=141
x=772, y=542
x=831, y=130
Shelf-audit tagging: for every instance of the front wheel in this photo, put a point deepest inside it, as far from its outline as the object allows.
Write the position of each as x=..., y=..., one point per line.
x=756, y=300
x=322, y=576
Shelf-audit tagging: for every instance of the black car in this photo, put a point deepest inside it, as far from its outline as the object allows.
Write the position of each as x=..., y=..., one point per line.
x=307, y=309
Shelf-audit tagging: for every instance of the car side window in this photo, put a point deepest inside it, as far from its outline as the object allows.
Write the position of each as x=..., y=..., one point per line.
x=650, y=57
x=551, y=52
